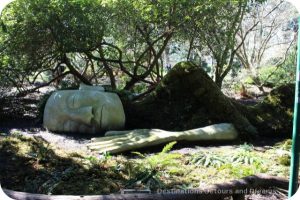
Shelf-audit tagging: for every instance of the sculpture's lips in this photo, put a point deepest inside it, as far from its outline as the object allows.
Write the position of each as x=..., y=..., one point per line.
x=96, y=117
x=111, y=118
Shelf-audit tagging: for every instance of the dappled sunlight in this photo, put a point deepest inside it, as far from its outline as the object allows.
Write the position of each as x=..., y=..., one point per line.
x=144, y=138
x=155, y=95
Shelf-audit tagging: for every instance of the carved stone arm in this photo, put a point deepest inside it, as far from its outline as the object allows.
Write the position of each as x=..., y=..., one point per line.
x=120, y=141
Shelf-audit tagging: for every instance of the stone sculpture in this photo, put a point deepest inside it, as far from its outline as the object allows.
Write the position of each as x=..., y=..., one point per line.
x=120, y=141
x=87, y=110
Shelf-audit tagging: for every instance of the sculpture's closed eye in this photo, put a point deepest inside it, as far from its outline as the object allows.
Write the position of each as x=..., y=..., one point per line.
x=73, y=101
x=76, y=101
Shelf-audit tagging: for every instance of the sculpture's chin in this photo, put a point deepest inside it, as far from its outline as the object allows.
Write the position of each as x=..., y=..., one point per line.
x=112, y=118
x=87, y=129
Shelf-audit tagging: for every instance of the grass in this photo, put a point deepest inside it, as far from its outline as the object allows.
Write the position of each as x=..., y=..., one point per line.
x=33, y=165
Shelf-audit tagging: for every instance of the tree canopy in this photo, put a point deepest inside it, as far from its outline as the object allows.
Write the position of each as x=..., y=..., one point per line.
x=123, y=40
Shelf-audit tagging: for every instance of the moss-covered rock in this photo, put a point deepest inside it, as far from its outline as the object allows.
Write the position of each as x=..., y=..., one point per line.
x=186, y=98
x=274, y=116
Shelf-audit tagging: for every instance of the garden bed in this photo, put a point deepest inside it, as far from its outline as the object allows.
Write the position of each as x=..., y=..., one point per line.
x=32, y=164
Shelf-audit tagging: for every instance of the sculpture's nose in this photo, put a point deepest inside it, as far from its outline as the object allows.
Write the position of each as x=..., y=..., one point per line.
x=83, y=115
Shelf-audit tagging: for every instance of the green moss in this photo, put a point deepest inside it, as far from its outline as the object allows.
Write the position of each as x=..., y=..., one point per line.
x=285, y=145
x=273, y=100
x=274, y=116
x=284, y=160
x=186, y=98
x=176, y=171
x=289, y=112
x=248, y=80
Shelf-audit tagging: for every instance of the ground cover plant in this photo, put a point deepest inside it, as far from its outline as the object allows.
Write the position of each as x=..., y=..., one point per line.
x=40, y=167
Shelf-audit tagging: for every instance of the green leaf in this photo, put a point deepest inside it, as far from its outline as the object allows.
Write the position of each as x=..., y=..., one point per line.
x=139, y=154
x=168, y=147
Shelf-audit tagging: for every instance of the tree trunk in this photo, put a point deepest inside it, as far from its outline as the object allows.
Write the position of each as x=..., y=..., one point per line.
x=219, y=82
x=218, y=75
x=75, y=72
x=108, y=70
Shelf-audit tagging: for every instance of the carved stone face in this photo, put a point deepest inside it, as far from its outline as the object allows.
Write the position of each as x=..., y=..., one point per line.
x=83, y=111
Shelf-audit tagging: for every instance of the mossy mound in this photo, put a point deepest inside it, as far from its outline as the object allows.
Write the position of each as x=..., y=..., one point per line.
x=186, y=98
x=274, y=116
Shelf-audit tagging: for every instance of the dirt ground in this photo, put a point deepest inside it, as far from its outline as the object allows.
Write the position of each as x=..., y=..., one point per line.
x=77, y=143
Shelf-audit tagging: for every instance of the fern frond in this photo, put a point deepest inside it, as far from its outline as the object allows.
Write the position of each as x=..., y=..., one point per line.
x=139, y=154
x=168, y=147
